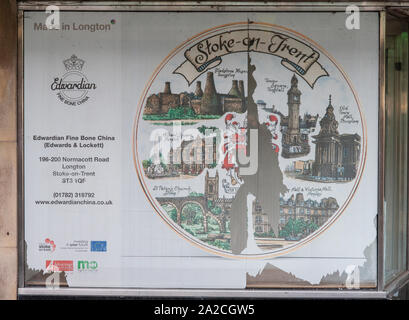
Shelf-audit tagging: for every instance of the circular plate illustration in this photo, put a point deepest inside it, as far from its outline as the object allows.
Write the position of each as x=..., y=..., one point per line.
x=249, y=140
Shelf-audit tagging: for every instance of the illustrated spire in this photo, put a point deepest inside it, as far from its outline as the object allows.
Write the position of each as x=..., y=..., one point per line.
x=294, y=81
x=294, y=91
x=328, y=123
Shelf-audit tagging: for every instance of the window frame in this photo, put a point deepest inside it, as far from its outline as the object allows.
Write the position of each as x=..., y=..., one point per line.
x=381, y=291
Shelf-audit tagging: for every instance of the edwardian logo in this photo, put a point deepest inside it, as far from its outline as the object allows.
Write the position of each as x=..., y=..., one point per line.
x=73, y=86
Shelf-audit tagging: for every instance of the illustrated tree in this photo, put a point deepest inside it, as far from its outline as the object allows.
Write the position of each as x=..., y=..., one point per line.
x=213, y=209
x=181, y=112
x=192, y=214
x=297, y=228
x=189, y=214
x=146, y=163
x=171, y=212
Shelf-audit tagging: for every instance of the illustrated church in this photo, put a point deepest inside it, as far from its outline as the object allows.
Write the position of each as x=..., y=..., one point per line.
x=336, y=155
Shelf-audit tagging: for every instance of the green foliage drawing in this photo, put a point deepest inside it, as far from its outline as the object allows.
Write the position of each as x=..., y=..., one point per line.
x=196, y=194
x=179, y=113
x=162, y=162
x=212, y=225
x=202, y=129
x=192, y=214
x=168, y=124
x=171, y=211
x=146, y=163
x=228, y=226
x=210, y=130
x=296, y=229
x=192, y=221
x=213, y=209
x=265, y=234
x=225, y=245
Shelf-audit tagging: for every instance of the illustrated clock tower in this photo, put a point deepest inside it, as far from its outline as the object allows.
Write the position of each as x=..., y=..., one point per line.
x=293, y=132
x=294, y=144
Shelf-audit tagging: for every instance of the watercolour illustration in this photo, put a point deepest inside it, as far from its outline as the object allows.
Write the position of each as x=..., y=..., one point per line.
x=249, y=140
x=336, y=155
x=198, y=105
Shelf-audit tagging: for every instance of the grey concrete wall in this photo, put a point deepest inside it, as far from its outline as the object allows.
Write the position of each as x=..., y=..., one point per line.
x=8, y=149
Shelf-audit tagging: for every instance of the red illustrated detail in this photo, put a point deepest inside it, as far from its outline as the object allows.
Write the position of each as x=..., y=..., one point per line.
x=59, y=265
x=51, y=243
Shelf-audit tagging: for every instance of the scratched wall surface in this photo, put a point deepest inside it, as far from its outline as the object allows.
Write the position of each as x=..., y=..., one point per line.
x=8, y=150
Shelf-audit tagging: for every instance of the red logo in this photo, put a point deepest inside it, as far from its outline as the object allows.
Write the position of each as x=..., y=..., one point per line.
x=59, y=265
x=51, y=243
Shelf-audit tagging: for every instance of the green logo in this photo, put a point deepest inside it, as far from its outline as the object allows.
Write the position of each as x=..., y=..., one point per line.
x=87, y=265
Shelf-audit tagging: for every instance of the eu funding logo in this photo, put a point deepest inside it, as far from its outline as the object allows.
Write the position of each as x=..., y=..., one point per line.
x=84, y=265
x=73, y=86
x=99, y=246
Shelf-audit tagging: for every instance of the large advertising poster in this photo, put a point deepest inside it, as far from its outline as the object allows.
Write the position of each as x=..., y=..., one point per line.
x=201, y=150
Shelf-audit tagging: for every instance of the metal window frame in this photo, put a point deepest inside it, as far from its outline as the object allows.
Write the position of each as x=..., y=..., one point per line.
x=402, y=279
x=381, y=290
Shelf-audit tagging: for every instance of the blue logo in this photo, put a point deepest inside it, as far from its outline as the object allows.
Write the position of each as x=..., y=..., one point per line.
x=100, y=246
